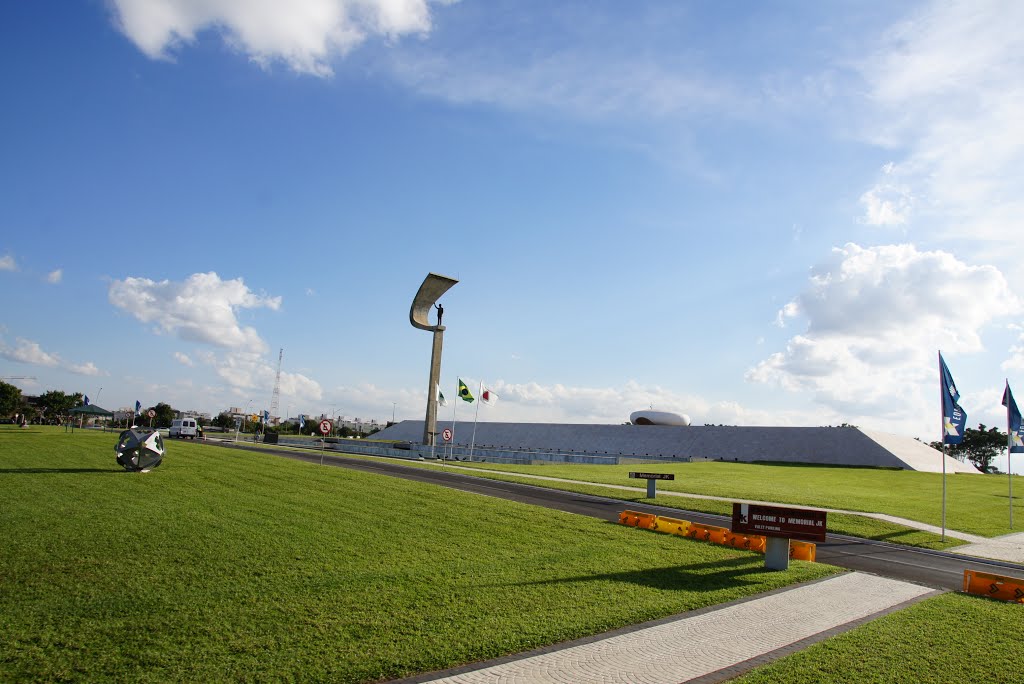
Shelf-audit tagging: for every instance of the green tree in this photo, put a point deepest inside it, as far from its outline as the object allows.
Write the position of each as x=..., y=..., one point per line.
x=224, y=420
x=164, y=415
x=10, y=399
x=979, y=446
x=56, y=404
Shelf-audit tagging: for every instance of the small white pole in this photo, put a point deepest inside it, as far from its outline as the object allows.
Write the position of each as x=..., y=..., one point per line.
x=472, y=442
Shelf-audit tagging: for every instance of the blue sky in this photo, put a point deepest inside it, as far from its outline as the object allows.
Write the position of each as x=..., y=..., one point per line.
x=768, y=214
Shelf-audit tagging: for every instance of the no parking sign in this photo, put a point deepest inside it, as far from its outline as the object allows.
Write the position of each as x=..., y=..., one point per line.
x=325, y=427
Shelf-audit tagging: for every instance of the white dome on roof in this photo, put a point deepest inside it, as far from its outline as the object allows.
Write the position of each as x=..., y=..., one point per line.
x=659, y=418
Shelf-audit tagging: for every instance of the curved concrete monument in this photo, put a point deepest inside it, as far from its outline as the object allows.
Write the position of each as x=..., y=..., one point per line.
x=659, y=418
x=430, y=291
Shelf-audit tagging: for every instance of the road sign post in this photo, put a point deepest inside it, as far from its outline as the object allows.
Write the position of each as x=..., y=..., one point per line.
x=652, y=481
x=446, y=435
x=778, y=525
x=325, y=429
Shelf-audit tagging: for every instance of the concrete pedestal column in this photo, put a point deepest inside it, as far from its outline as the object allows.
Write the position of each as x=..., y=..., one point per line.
x=776, y=555
x=430, y=424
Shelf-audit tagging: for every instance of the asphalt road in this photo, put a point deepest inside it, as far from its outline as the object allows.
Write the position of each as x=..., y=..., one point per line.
x=932, y=568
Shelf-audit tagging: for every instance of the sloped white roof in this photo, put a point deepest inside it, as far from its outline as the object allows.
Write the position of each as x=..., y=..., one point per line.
x=918, y=455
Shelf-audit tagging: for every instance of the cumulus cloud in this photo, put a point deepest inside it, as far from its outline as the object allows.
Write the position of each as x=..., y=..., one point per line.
x=183, y=359
x=202, y=308
x=7, y=263
x=947, y=87
x=248, y=373
x=30, y=352
x=875, y=317
x=54, y=277
x=888, y=203
x=303, y=34
x=27, y=351
x=87, y=368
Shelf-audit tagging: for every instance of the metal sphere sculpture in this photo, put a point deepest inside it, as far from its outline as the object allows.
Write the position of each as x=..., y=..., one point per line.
x=139, y=450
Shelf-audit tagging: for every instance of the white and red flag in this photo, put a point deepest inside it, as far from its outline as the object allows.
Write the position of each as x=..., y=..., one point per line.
x=488, y=397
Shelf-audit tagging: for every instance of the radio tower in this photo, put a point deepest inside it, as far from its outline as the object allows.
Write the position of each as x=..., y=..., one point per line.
x=275, y=400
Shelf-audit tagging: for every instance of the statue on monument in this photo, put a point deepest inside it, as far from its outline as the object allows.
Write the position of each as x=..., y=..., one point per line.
x=440, y=313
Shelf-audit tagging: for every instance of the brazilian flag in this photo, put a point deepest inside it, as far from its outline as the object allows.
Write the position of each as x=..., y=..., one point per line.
x=464, y=392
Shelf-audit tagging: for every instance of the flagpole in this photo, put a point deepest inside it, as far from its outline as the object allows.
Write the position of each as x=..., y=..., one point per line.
x=472, y=442
x=455, y=405
x=942, y=432
x=1009, y=447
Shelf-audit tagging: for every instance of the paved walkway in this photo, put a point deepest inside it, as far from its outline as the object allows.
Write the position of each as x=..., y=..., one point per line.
x=1009, y=547
x=709, y=645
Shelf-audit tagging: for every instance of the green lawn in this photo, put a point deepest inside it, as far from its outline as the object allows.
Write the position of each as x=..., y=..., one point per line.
x=974, y=503
x=950, y=638
x=233, y=565
x=849, y=524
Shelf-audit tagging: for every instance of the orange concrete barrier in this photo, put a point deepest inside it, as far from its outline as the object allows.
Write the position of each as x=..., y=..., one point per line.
x=709, y=533
x=994, y=586
x=747, y=542
x=799, y=550
x=637, y=519
x=672, y=526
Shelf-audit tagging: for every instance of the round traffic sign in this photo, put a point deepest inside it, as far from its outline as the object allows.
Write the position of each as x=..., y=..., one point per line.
x=152, y=413
x=446, y=434
x=325, y=427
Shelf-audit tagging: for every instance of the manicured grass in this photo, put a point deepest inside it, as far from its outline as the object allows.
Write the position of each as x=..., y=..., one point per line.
x=974, y=503
x=839, y=523
x=950, y=638
x=233, y=565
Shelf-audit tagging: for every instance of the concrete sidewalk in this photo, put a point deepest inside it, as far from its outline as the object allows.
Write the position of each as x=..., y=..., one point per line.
x=709, y=645
x=1009, y=547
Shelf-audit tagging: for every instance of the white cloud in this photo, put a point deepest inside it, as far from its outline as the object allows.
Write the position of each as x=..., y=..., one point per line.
x=1016, y=359
x=7, y=263
x=27, y=351
x=888, y=203
x=592, y=86
x=875, y=318
x=303, y=34
x=947, y=87
x=54, y=277
x=202, y=308
x=183, y=359
x=87, y=368
x=248, y=373
x=30, y=352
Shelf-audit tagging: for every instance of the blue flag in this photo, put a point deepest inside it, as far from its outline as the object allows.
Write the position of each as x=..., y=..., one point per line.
x=954, y=419
x=266, y=417
x=138, y=408
x=1013, y=422
x=302, y=421
x=86, y=399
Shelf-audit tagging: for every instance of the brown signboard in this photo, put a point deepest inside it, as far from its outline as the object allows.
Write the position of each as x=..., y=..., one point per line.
x=773, y=521
x=653, y=476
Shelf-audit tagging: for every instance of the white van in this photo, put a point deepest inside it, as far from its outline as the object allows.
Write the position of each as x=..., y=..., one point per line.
x=183, y=427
